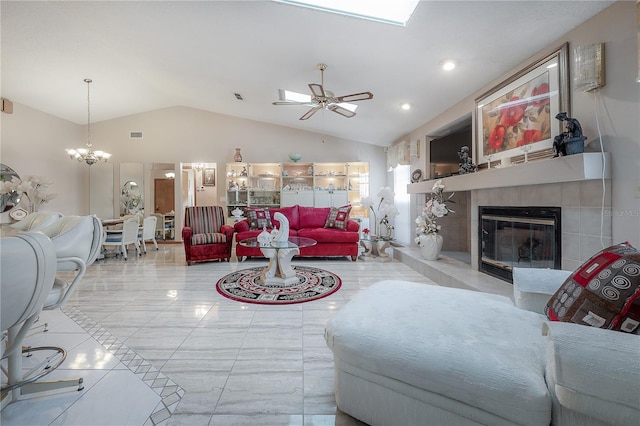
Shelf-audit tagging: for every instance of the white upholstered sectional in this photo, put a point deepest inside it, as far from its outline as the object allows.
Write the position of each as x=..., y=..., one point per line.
x=416, y=354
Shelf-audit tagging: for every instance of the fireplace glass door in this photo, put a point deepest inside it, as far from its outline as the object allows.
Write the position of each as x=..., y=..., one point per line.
x=511, y=240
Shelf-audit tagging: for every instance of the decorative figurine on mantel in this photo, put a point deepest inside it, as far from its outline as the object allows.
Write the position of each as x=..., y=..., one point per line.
x=466, y=165
x=571, y=141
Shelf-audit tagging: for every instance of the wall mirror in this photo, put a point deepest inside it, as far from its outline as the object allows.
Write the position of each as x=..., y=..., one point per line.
x=131, y=198
x=11, y=199
x=131, y=188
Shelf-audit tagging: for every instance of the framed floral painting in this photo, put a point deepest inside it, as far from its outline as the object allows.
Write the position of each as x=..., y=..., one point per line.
x=519, y=114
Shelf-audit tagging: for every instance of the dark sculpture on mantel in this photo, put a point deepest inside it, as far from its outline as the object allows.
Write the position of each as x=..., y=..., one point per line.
x=571, y=141
x=466, y=165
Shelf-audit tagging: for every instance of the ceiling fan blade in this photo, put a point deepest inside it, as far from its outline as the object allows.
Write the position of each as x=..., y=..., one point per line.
x=355, y=97
x=342, y=111
x=317, y=90
x=290, y=103
x=309, y=114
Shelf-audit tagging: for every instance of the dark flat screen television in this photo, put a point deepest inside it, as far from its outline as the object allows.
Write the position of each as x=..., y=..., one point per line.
x=444, y=152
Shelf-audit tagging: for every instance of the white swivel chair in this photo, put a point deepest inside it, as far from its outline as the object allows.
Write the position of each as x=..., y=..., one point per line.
x=122, y=238
x=27, y=271
x=77, y=240
x=36, y=221
x=148, y=232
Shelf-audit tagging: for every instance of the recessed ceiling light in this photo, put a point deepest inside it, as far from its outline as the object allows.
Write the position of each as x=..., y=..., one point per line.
x=406, y=106
x=449, y=64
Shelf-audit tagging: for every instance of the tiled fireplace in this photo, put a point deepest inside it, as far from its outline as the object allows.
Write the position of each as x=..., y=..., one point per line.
x=573, y=184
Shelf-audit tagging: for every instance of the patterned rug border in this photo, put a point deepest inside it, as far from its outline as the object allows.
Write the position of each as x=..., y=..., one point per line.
x=258, y=269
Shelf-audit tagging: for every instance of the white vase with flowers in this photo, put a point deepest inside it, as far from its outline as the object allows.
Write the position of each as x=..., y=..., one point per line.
x=428, y=236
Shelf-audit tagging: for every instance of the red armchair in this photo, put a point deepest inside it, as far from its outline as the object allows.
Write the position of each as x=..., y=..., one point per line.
x=205, y=235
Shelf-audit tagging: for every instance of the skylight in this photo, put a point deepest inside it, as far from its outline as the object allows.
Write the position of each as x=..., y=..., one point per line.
x=396, y=12
x=288, y=95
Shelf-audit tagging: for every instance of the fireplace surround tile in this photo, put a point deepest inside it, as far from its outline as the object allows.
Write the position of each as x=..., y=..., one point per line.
x=570, y=194
x=546, y=195
x=591, y=194
x=590, y=245
x=570, y=247
x=590, y=218
x=570, y=220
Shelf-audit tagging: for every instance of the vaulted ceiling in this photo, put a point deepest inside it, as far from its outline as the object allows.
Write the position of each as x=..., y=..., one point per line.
x=147, y=55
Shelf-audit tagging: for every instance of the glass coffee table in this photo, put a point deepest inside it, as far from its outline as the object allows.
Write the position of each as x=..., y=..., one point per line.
x=279, y=253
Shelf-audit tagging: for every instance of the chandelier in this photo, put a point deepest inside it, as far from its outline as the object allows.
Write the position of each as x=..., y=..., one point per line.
x=88, y=155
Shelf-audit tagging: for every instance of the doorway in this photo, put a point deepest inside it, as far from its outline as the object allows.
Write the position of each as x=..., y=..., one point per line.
x=164, y=195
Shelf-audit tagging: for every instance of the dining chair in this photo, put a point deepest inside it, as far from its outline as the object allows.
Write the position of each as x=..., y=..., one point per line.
x=124, y=237
x=36, y=221
x=148, y=232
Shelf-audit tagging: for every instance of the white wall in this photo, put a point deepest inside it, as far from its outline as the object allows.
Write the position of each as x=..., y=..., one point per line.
x=33, y=143
x=618, y=112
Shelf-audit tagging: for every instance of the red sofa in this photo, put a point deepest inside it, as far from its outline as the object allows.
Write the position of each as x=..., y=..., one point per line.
x=306, y=222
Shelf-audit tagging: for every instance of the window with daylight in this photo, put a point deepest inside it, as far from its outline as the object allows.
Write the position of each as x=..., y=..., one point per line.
x=389, y=12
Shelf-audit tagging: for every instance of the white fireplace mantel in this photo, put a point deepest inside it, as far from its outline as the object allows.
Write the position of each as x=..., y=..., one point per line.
x=570, y=168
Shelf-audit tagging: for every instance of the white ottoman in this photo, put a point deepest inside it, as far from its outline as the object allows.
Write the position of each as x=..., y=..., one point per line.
x=416, y=354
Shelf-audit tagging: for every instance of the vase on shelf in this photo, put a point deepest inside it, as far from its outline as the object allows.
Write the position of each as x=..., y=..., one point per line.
x=431, y=245
x=237, y=157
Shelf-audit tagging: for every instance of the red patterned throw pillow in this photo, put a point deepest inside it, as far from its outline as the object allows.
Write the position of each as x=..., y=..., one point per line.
x=338, y=217
x=604, y=292
x=259, y=218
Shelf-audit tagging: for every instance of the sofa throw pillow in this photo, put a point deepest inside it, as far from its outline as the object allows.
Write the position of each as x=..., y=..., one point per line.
x=338, y=217
x=259, y=218
x=603, y=292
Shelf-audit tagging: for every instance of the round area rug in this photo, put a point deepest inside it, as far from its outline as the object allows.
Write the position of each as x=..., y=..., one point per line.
x=245, y=286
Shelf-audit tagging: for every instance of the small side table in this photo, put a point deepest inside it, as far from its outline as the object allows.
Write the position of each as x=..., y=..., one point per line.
x=376, y=249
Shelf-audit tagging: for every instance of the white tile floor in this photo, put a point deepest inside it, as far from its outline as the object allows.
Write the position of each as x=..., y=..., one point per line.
x=157, y=345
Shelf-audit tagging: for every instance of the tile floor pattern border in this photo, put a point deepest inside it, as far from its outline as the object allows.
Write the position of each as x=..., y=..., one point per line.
x=170, y=392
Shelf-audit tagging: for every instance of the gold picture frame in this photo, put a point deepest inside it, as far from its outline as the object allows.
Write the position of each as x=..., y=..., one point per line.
x=209, y=177
x=518, y=115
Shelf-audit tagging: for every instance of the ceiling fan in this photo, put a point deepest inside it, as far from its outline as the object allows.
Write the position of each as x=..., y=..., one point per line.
x=325, y=99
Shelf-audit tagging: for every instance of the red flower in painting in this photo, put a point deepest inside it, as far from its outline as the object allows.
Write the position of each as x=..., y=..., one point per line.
x=539, y=91
x=530, y=136
x=496, y=137
x=513, y=113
